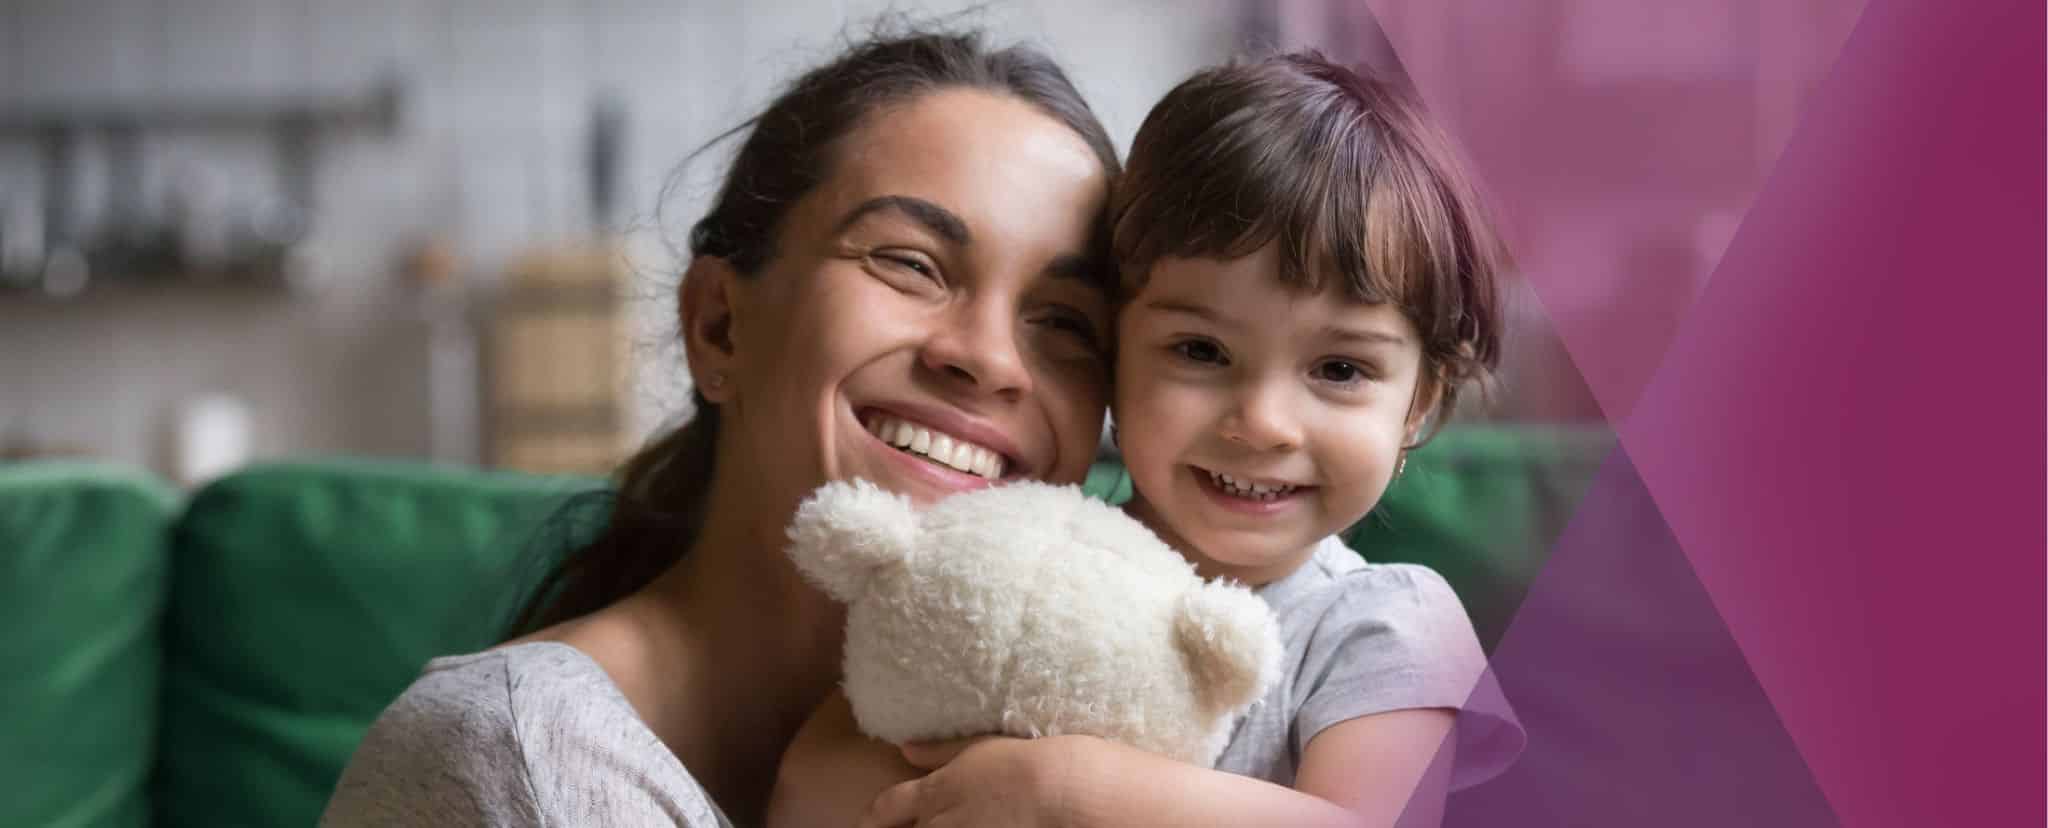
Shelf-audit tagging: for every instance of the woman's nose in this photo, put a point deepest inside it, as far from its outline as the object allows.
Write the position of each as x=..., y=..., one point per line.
x=1263, y=419
x=977, y=346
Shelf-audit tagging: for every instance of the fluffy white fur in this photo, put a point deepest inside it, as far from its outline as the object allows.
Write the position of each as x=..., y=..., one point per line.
x=1031, y=610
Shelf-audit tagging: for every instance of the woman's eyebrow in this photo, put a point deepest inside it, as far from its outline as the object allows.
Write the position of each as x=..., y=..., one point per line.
x=1076, y=267
x=939, y=220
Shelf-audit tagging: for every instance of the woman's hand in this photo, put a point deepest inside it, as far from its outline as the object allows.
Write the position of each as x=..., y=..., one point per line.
x=993, y=781
x=831, y=772
x=1359, y=774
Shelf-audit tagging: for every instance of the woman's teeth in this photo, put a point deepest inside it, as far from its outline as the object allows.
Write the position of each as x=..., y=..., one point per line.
x=1248, y=489
x=938, y=447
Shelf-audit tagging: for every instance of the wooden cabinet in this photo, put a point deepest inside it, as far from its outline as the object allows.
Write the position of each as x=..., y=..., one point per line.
x=555, y=365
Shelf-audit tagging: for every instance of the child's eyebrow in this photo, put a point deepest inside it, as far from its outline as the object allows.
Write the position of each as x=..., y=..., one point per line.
x=1363, y=336
x=1366, y=337
x=1198, y=311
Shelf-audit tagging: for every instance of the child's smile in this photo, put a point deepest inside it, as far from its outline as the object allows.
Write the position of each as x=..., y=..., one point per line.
x=1251, y=495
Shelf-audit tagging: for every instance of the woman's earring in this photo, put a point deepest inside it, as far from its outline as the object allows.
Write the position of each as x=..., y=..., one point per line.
x=715, y=381
x=1401, y=467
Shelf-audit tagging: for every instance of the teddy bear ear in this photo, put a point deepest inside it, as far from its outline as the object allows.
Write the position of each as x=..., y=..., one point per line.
x=846, y=531
x=1231, y=645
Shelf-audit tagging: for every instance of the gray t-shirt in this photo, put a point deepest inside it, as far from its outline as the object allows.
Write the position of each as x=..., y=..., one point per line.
x=531, y=734
x=1367, y=638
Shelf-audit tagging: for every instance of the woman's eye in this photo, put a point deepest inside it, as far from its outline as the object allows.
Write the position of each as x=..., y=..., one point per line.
x=1199, y=350
x=1080, y=327
x=914, y=264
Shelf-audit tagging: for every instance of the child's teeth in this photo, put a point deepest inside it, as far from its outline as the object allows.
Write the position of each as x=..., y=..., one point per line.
x=1250, y=490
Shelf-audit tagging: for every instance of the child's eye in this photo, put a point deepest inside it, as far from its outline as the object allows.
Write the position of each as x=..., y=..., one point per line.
x=1340, y=371
x=1200, y=350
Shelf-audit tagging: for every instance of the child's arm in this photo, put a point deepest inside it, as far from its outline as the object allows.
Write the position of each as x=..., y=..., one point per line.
x=1381, y=766
x=831, y=772
x=1362, y=772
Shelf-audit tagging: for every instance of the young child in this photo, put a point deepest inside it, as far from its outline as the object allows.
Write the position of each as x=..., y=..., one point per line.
x=1307, y=282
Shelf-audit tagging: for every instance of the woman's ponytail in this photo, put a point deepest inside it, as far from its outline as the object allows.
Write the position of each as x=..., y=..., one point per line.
x=656, y=511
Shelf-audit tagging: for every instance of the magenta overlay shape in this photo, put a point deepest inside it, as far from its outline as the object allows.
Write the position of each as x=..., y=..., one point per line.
x=1808, y=589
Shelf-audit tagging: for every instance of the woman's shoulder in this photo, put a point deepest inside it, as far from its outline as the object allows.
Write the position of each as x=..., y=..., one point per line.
x=513, y=735
x=482, y=700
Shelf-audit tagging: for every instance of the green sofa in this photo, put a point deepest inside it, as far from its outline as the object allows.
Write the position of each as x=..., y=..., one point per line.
x=213, y=660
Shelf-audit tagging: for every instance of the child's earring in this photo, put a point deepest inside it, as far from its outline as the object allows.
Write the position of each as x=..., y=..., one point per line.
x=715, y=382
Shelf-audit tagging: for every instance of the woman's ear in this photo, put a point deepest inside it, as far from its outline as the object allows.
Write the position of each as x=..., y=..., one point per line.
x=707, y=303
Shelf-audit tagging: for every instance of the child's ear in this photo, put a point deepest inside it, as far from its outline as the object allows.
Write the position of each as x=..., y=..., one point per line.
x=706, y=315
x=1429, y=390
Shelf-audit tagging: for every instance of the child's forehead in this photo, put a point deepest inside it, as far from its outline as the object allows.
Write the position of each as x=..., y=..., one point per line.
x=1259, y=274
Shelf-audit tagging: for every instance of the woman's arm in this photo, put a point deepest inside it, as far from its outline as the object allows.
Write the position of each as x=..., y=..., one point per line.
x=1362, y=772
x=831, y=772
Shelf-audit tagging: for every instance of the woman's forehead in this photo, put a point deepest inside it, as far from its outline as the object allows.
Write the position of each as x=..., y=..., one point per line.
x=1005, y=171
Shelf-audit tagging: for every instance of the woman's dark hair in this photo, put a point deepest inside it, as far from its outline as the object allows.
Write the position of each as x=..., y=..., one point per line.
x=1345, y=173
x=790, y=148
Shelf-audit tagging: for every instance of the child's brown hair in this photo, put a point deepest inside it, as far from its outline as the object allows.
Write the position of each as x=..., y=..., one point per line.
x=1341, y=170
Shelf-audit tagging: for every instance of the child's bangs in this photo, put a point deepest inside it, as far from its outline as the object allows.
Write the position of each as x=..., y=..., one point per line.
x=1343, y=202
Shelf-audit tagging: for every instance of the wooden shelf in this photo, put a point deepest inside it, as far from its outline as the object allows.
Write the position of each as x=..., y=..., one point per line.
x=376, y=110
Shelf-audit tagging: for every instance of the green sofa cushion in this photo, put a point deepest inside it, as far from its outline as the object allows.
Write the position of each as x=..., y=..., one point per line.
x=82, y=579
x=307, y=596
x=304, y=598
x=1483, y=507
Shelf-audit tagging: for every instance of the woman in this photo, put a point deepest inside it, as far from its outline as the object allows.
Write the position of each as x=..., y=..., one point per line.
x=914, y=230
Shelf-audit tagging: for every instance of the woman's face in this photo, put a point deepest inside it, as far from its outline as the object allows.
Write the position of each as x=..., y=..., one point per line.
x=927, y=321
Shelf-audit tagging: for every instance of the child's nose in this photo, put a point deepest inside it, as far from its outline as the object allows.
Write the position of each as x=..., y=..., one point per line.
x=1263, y=419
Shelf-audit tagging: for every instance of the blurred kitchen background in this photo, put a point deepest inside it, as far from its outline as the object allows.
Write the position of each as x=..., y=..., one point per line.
x=233, y=230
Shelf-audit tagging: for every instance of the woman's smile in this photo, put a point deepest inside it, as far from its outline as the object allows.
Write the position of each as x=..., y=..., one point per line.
x=930, y=452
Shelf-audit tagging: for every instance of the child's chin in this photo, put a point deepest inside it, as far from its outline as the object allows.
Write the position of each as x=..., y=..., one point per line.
x=1244, y=553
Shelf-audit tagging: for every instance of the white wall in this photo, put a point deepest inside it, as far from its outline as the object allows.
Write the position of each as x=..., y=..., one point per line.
x=489, y=156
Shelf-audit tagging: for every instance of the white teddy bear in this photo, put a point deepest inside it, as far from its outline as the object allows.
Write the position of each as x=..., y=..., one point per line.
x=1031, y=610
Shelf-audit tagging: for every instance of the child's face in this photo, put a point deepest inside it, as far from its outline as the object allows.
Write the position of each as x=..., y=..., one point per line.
x=1255, y=419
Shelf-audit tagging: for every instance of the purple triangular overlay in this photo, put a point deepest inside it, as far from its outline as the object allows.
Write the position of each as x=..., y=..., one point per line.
x=1845, y=437
x=1622, y=143
x=1639, y=708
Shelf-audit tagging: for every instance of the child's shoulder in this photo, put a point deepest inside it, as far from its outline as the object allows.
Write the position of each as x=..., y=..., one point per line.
x=1341, y=589
x=1334, y=569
